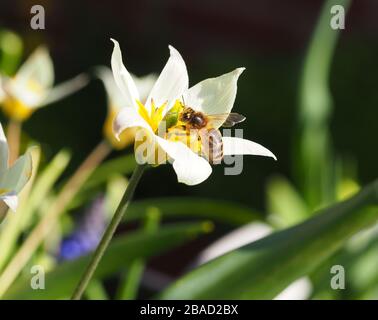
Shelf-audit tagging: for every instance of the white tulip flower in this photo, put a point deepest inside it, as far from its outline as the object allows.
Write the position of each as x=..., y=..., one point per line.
x=32, y=87
x=211, y=96
x=13, y=179
x=116, y=102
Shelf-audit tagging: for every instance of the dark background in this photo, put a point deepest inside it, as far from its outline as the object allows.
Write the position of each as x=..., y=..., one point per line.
x=268, y=37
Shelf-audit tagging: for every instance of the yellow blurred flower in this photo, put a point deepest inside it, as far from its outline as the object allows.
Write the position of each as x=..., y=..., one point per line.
x=32, y=87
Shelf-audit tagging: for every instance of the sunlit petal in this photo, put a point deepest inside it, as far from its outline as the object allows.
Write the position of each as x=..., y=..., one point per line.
x=190, y=168
x=123, y=78
x=215, y=95
x=129, y=118
x=145, y=85
x=235, y=146
x=37, y=68
x=172, y=82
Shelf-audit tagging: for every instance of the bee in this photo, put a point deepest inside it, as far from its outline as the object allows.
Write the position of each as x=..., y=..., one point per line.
x=208, y=135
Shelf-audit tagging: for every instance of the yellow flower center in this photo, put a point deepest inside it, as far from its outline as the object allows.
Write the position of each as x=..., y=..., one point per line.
x=175, y=130
x=154, y=117
x=15, y=108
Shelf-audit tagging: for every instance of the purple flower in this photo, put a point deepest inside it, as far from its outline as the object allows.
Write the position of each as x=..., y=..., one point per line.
x=87, y=234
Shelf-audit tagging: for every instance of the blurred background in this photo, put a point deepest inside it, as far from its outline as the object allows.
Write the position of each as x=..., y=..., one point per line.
x=270, y=38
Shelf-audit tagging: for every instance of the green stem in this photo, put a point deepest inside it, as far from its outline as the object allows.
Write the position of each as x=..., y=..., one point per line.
x=105, y=241
x=128, y=289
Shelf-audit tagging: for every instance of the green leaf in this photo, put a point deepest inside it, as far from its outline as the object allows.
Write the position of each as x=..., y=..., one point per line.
x=13, y=225
x=121, y=165
x=286, y=206
x=264, y=268
x=110, y=169
x=61, y=281
x=220, y=210
x=11, y=48
x=359, y=258
x=96, y=291
x=128, y=288
x=314, y=152
x=44, y=184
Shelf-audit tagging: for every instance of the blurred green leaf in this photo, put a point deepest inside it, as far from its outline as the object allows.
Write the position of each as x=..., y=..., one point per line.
x=264, y=268
x=220, y=210
x=128, y=289
x=118, y=166
x=12, y=226
x=314, y=156
x=96, y=291
x=11, y=49
x=285, y=205
x=61, y=282
x=45, y=182
x=110, y=169
x=115, y=189
x=359, y=259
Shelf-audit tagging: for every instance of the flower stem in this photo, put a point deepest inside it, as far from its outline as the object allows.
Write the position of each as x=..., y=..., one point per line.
x=14, y=136
x=109, y=232
x=46, y=224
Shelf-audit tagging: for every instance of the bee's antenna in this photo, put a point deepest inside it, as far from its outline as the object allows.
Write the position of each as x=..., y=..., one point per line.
x=183, y=100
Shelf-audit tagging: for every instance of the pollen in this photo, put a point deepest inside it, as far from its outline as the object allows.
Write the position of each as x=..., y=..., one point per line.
x=189, y=138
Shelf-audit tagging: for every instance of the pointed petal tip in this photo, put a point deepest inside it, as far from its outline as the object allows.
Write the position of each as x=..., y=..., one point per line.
x=239, y=71
x=267, y=153
x=172, y=48
x=174, y=52
x=115, y=43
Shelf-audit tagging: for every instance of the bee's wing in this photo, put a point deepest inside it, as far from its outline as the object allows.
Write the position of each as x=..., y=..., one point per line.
x=228, y=119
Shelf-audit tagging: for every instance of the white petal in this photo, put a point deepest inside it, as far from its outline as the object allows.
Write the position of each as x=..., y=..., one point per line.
x=123, y=78
x=234, y=146
x=38, y=68
x=114, y=94
x=145, y=85
x=298, y=290
x=11, y=200
x=129, y=118
x=29, y=93
x=190, y=168
x=172, y=82
x=233, y=240
x=18, y=175
x=3, y=152
x=64, y=89
x=215, y=95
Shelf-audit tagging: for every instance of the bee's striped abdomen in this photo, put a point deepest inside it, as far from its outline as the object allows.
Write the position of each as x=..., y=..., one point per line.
x=212, y=145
